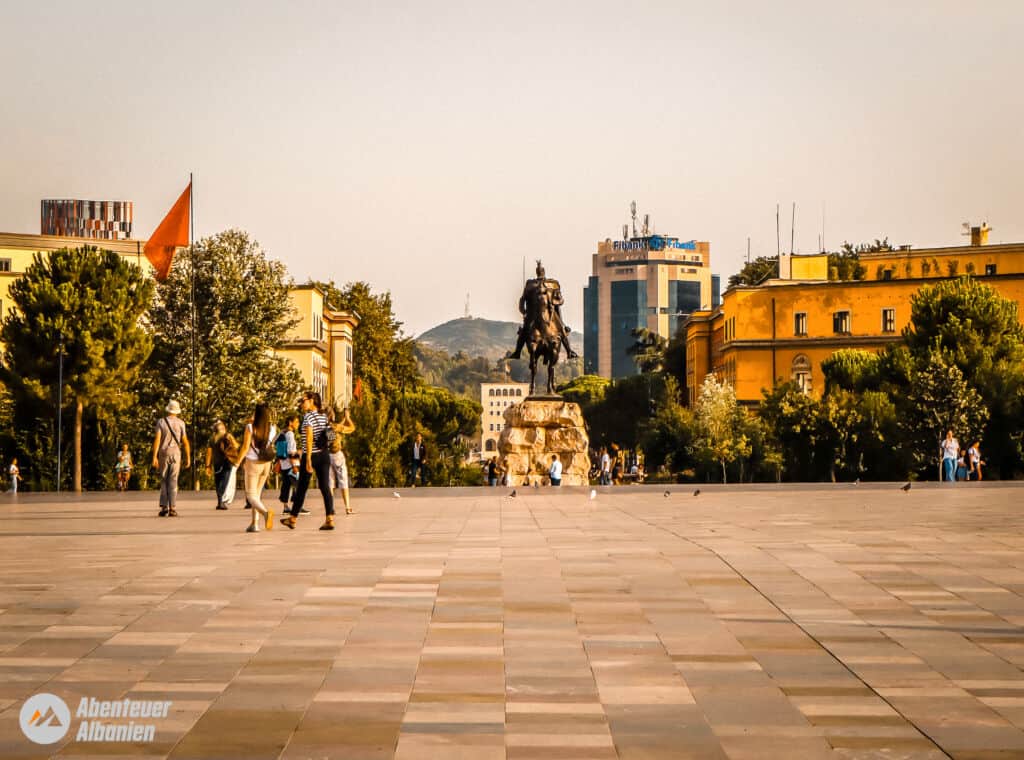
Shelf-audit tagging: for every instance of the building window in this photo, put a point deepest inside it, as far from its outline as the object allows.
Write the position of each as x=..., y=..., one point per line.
x=888, y=320
x=801, y=373
x=800, y=323
x=990, y=269
x=5, y=265
x=841, y=322
x=519, y=391
x=886, y=274
x=490, y=445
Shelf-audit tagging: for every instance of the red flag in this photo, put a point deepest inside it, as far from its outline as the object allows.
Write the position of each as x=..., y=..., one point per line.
x=169, y=236
x=358, y=392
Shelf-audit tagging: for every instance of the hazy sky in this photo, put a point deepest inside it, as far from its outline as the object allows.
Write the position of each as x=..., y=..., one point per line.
x=429, y=146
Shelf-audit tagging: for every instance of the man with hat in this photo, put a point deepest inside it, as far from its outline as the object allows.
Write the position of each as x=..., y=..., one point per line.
x=170, y=441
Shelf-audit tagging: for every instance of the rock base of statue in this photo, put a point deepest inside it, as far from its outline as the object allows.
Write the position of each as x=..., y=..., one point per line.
x=537, y=428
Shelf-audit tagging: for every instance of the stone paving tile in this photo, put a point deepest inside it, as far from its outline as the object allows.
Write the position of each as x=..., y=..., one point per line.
x=802, y=622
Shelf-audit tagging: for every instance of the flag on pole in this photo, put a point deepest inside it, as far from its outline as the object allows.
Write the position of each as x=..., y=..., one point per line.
x=171, y=234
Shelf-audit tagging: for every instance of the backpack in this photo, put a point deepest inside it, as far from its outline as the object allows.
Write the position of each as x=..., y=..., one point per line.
x=325, y=438
x=281, y=447
x=268, y=453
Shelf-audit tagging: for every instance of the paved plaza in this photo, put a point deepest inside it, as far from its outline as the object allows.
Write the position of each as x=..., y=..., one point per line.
x=761, y=622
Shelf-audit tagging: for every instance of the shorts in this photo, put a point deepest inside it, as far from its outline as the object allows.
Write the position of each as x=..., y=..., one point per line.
x=339, y=470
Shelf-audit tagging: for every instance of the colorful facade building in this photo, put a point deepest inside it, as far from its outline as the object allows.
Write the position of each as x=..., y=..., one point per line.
x=320, y=344
x=104, y=220
x=495, y=398
x=646, y=281
x=784, y=328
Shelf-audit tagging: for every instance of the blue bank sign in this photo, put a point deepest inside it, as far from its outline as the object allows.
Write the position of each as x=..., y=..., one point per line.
x=653, y=243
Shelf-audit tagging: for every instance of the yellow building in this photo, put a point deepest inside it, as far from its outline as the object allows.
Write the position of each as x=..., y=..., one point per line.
x=320, y=345
x=784, y=328
x=495, y=398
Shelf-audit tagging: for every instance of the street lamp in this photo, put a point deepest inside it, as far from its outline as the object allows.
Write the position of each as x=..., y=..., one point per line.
x=60, y=406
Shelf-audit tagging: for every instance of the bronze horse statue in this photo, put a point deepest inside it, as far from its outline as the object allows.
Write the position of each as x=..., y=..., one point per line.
x=543, y=333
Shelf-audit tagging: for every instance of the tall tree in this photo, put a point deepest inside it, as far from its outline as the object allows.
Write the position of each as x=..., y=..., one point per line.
x=979, y=332
x=648, y=350
x=756, y=271
x=87, y=305
x=721, y=435
x=243, y=314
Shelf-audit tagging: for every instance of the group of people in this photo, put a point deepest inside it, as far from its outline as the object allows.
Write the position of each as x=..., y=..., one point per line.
x=958, y=465
x=309, y=444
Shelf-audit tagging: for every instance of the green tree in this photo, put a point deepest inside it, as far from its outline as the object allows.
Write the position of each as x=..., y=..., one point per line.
x=383, y=357
x=795, y=428
x=373, y=448
x=720, y=425
x=667, y=437
x=979, y=332
x=940, y=399
x=243, y=314
x=87, y=304
x=853, y=369
x=648, y=350
x=448, y=423
x=756, y=271
x=585, y=390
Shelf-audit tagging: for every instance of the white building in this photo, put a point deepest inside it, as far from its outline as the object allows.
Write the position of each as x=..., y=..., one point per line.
x=495, y=398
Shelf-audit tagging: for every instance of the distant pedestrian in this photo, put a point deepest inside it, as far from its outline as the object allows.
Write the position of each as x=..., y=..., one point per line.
x=950, y=448
x=15, y=475
x=974, y=461
x=418, y=461
x=616, y=465
x=220, y=456
x=555, y=471
x=123, y=468
x=493, y=471
x=171, y=449
x=257, y=455
x=288, y=459
x=315, y=436
x=606, y=467
x=339, y=465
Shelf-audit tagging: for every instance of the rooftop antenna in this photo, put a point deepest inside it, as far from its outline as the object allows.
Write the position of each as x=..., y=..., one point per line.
x=632, y=211
x=748, y=249
x=778, y=238
x=625, y=231
x=647, y=225
x=792, y=229
x=467, y=306
x=822, y=227
x=524, y=270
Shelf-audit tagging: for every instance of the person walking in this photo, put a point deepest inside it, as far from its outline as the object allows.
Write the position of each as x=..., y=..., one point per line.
x=339, y=465
x=555, y=471
x=314, y=440
x=169, y=443
x=418, y=463
x=606, y=467
x=974, y=461
x=15, y=474
x=257, y=455
x=123, y=468
x=288, y=460
x=950, y=448
x=493, y=471
x=220, y=455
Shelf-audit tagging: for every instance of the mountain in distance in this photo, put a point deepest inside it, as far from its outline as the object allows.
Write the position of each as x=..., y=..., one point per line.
x=472, y=336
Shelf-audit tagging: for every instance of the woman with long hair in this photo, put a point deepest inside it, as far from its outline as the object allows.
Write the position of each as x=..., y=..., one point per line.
x=315, y=458
x=339, y=465
x=258, y=453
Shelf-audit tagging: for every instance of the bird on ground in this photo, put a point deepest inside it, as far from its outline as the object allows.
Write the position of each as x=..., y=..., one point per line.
x=667, y=494
x=593, y=494
x=513, y=494
x=697, y=492
x=857, y=482
x=905, y=487
x=396, y=494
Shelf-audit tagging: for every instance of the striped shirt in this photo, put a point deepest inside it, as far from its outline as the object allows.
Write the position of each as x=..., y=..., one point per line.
x=316, y=422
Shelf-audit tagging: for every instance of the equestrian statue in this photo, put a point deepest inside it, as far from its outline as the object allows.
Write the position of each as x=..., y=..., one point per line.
x=543, y=332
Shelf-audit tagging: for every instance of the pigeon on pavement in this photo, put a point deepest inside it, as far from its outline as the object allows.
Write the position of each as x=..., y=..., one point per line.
x=593, y=494
x=697, y=492
x=396, y=494
x=513, y=494
x=905, y=487
x=667, y=494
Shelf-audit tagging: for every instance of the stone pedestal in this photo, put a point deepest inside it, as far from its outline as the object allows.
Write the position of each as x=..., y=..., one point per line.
x=537, y=428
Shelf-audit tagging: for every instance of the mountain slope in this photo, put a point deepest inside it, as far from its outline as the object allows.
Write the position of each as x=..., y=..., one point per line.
x=474, y=337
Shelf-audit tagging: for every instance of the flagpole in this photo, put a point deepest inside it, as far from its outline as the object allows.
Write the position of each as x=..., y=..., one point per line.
x=192, y=269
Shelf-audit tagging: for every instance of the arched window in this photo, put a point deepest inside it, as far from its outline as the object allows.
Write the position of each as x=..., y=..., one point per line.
x=801, y=372
x=490, y=391
x=504, y=391
x=519, y=391
x=491, y=445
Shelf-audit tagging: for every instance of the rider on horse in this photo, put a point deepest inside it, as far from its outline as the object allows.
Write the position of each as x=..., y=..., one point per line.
x=541, y=304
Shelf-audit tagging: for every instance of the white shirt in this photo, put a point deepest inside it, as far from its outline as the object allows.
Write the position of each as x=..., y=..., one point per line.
x=252, y=453
x=606, y=463
x=950, y=448
x=556, y=470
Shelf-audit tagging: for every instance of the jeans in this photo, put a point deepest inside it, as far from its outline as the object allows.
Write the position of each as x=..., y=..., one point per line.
x=949, y=470
x=418, y=467
x=256, y=474
x=220, y=480
x=556, y=481
x=170, y=465
x=492, y=482
x=321, y=461
x=606, y=478
x=289, y=485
